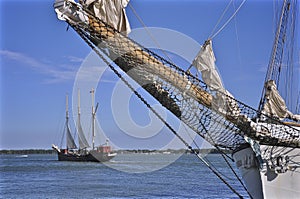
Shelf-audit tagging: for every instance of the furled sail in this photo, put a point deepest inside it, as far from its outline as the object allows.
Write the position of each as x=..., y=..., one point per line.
x=205, y=63
x=275, y=105
x=70, y=141
x=112, y=12
x=190, y=99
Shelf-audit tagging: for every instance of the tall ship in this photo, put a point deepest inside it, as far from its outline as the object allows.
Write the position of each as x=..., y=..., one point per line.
x=264, y=141
x=84, y=152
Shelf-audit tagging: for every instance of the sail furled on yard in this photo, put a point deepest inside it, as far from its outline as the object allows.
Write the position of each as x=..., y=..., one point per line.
x=205, y=63
x=188, y=98
x=275, y=105
x=281, y=89
x=112, y=12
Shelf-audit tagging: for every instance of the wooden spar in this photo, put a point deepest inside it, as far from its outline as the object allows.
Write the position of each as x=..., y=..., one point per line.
x=127, y=48
x=292, y=124
x=123, y=49
x=154, y=76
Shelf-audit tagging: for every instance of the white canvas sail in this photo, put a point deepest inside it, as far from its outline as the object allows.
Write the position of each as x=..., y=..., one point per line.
x=83, y=143
x=205, y=63
x=70, y=141
x=275, y=105
x=112, y=12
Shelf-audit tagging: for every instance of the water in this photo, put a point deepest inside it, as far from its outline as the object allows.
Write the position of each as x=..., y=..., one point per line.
x=42, y=176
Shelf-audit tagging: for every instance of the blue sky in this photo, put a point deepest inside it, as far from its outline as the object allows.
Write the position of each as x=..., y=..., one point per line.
x=40, y=58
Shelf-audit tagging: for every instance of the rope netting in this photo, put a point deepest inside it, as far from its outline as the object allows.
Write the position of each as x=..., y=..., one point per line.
x=223, y=123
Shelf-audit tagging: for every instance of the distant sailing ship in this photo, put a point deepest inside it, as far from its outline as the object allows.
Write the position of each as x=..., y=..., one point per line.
x=83, y=153
x=265, y=142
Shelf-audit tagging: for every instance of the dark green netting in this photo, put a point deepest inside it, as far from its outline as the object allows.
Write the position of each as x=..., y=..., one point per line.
x=187, y=97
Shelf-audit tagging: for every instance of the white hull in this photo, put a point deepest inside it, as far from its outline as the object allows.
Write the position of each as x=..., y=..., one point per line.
x=283, y=185
x=279, y=178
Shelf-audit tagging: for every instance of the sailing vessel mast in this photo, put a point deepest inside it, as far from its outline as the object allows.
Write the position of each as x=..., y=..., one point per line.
x=78, y=115
x=94, y=111
x=67, y=121
x=93, y=118
x=81, y=153
x=83, y=143
x=70, y=143
x=78, y=107
x=67, y=110
x=188, y=98
x=281, y=46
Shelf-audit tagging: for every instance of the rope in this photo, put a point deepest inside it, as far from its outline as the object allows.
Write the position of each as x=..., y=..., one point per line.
x=237, y=39
x=149, y=33
x=224, y=157
x=156, y=113
x=298, y=104
x=237, y=177
x=228, y=20
x=221, y=17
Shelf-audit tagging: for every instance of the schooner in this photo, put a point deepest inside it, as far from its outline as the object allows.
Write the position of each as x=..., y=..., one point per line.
x=264, y=142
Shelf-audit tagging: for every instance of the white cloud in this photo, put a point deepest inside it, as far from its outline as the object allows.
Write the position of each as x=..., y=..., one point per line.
x=74, y=59
x=54, y=72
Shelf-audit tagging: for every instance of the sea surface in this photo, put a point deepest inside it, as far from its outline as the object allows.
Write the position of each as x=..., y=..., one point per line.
x=126, y=176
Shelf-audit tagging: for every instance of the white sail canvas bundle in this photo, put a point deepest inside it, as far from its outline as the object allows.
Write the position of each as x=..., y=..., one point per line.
x=275, y=105
x=112, y=12
x=220, y=116
x=205, y=64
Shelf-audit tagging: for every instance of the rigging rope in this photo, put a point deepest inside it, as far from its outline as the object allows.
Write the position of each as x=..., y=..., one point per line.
x=237, y=39
x=275, y=62
x=224, y=155
x=149, y=33
x=187, y=97
x=221, y=17
x=225, y=24
x=222, y=125
x=155, y=112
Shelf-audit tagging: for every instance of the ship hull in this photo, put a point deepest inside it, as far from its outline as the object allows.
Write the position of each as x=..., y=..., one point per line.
x=91, y=157
x=86, y=156
x=285, y=184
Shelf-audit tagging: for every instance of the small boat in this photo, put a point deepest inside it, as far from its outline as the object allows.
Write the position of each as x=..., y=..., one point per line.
x=22, y=156
x=83, y=153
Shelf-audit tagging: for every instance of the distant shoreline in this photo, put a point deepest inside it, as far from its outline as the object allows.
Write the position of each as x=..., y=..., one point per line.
x=27, y=151
x=123, y=151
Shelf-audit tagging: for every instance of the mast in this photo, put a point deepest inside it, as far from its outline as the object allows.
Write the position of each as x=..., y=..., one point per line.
x=275, y=62
x=67, y=120
x=78, y=115
x=67, y=109
x=187, y=97
x=78, y=106
x=83, y=143
x=93, y=117
x=69, y=139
